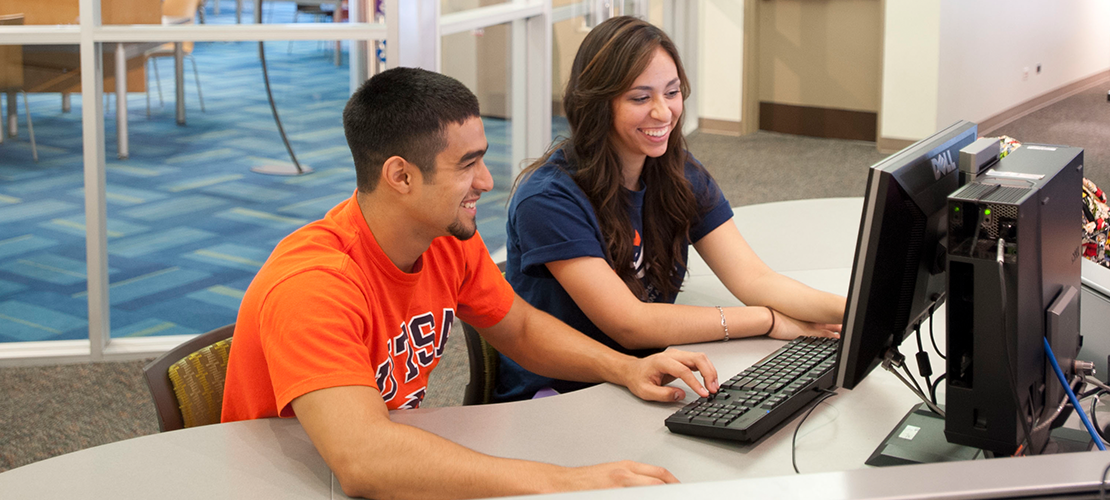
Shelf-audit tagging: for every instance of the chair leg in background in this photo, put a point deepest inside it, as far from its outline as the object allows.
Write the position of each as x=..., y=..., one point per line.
x=196, y=76
x=12, y=126
x=296, y=12
x=67, y=106
x=30, y=128
x=158, y=81
x=148, y=88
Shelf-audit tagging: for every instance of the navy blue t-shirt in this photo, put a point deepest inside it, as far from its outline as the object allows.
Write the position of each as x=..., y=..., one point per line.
x=551, y=219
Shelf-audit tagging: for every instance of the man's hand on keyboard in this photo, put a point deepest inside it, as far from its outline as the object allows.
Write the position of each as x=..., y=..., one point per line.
x=787, y=328
x=648, y=377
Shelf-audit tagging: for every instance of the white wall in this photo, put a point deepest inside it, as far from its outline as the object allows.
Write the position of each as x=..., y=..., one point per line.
x=822, y=54
x=720, y=59
x=985, y=46
x=459, y=56
x=911, y=65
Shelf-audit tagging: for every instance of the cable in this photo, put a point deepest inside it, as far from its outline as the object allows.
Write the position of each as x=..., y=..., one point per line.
x=923, y=365
x=931, y=337
x=909, y=374
x=936, y=383
x=1097, y=383
x=1006, y=346
x=794, y=440
x=1094, y=419
x=1046, y=421
x=1071, y=395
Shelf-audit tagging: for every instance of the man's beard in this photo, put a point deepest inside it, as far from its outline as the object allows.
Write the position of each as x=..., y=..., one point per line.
x=460, y=231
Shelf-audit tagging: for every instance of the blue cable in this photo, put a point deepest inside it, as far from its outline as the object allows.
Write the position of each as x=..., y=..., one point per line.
x=1071, y=396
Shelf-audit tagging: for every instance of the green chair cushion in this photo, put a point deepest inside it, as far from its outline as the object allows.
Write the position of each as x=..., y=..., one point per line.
x=198, y=383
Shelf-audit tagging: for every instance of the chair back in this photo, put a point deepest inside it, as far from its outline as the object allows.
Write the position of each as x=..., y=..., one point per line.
x=11, y=57
x=484, y=364
x=187, y=383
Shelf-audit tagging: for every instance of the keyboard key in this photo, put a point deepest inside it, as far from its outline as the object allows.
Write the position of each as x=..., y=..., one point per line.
x=703, y=421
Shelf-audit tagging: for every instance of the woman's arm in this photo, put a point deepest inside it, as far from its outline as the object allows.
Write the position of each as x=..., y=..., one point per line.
x=750, y=280
x=610, y=305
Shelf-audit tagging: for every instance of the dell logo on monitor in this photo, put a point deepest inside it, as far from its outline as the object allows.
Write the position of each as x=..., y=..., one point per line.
x=943, y=164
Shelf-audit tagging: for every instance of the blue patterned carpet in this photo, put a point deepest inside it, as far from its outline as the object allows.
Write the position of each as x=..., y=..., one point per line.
x=188, y=223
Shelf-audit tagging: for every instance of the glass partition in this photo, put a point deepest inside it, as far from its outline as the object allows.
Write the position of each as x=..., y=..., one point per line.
x=451, y=6
x=190, y=218
x=480, y=59
x=42, y=213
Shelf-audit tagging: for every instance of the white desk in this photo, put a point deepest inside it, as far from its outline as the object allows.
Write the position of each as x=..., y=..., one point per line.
x=812, y=241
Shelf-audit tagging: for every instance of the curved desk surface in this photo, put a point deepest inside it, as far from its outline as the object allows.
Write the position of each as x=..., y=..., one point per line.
x=810, y=240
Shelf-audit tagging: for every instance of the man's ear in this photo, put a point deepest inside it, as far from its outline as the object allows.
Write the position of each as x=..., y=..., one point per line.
x=398, y=174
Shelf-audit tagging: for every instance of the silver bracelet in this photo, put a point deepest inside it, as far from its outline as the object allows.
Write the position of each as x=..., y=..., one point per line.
x=723, y=324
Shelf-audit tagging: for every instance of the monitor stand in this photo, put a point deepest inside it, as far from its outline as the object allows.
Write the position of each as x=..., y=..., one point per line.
x=919, y=439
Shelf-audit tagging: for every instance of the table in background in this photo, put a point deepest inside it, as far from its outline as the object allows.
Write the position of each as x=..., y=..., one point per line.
x=57, y=68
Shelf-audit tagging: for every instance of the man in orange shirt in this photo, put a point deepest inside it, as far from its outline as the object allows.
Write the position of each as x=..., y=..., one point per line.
x=351, y=313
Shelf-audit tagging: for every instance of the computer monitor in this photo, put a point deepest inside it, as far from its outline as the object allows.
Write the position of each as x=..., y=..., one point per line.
x=898, y=273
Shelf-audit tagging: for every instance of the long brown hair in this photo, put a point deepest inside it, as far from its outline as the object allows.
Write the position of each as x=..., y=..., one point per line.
x=609, y=60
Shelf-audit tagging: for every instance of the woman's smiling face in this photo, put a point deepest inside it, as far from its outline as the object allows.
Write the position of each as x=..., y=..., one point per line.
x=645, y=115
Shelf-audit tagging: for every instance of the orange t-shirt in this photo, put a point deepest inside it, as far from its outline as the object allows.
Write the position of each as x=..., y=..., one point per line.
x=329, y=309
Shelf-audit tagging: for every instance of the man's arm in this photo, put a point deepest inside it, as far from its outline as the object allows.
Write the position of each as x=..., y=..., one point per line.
x=374, y=457
x=547, y=346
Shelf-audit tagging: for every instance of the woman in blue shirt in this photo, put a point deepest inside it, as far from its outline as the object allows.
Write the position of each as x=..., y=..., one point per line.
x=600, y=227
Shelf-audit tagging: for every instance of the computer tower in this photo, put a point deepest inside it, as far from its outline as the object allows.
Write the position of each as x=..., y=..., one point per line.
x=998, y=315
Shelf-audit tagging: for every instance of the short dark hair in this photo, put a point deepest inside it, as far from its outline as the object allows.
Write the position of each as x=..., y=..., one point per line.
x=403, y=112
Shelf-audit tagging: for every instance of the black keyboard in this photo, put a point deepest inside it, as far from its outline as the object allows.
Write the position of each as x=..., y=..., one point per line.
x=758, y=399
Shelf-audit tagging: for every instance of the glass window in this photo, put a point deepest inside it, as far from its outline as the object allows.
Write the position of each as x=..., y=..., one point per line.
x=566, y=37
x=42, y=213
x=451, y=6
x=480, y=60
x=190, y=217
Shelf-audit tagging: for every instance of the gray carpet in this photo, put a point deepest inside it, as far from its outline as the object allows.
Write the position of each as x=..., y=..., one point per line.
x=1081, y=120
x=766, y=166
x=47, y=411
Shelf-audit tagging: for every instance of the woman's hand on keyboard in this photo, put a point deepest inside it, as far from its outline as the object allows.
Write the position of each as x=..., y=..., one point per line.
x=787, y=328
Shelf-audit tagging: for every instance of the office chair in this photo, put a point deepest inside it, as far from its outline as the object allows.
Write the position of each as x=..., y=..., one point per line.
x=177, y=9
x=484, y=363
x=187, y=383
x=11, y=80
